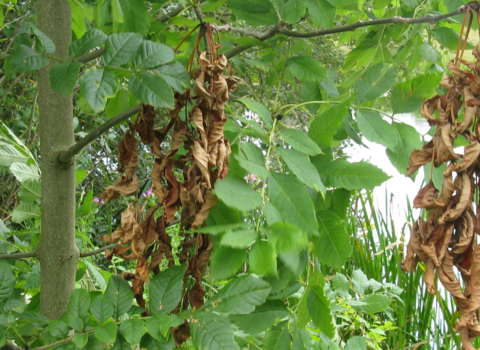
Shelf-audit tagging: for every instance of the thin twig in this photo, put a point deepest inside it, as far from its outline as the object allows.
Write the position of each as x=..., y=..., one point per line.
x=18, y=255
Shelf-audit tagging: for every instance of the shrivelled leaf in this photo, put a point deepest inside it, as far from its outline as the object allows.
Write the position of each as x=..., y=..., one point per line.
x=259, y=109
x=64, y=76
x=375, y=129
x=278, y=337
x=25, y=211
x=322, y=12
x=254, y=12
x=351, y=176
x=175, y=75
x=102, y=309
x=25, y=172
x=333, y=246
x=240, y=296
x=300, y=142
x=9, y=155
x=96, y=85
x=375, y=82
x=151, y=89
x=25, y=59
x=132, y=330
x=107, y=333
x=212, y=332
x=300, y=165
x=120, y=294
x=306, y=68
x=236, y=193
x=262, y=318
x=319, y=308
x=166, y=290
x=263, y=258
x=7, y=280
x=293, y=202
x=120, y=48
x=90, y=40
x=151, y=54
x=251, y=158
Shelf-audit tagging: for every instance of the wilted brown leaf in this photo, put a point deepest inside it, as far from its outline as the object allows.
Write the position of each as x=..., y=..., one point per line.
x=462, y=204
x=125, y=186
x=210, y=200
x=201, y=160
x=419, y=158
x=144, y=123
x=427, y=197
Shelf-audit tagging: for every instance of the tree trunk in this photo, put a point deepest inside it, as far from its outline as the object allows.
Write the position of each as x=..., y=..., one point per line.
x=57, y=250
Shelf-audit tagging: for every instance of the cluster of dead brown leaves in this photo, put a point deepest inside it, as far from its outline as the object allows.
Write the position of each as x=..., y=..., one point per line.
x=183, y=182
x=447, y=237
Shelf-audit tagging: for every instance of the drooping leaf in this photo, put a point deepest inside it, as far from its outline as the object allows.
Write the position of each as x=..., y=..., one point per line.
x=213, y=332
x=151, y=54
x=102, y=309
x=351, y=176
x=293, y=202
x=240, y=296
x=278, y=337
x=262, y=318
x=90, y=40
x=151, y=89
x=259, y=109
x=175, y=75
x=25, y=172
x=254, y=12
x=306, y=68
x=7, y=280
x=263, y=258
x=64, y=76
x=332, y=247
x=132, y=330
x=319, y=308
x=375, y=129
x=25, y=59
x=96, y=85
x=166, y=290
x=300, y=165
x=120, y=48
x=375, y=82
x=236, y=193
x=326, y=124
x=322, y=12
x=120, y=294
x=294, y=10
x=300, y=142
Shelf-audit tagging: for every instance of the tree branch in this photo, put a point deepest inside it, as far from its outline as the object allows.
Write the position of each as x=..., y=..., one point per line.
x=66, y=156
x=99, y=250
x=18, y=255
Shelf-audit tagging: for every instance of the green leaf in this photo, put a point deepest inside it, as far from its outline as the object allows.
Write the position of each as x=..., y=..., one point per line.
x=132, y=330
x=166, y=290
x=80, y=175
x=259, y=109
x=326, y=124
x=375, y=129
x=7, y=280
x=254, y=12
x=120, y=294
x=240, y=296
x=120, y=48
x=286, y=237
x=345, y=4
x=225, y=228
x=90, y=40
x=300, y=141
x=151, y=54
x=241, y=238
x=408, y=96
x=300, y=165
x=306, y=68
x=96, y=85
x=322, y=13
x=58, y=329
x=226, y=261
x=372, y=304
x=76, y=323
x=25, y=172
x=25, y=211
x=294, y=10
x=264, y=316
x=236, y=193
x=176, y=76
x=80, y=340
x=293, y=202
x=263, y=258
x=278, y=338
x=303, y=315
x=107, y=332
x=135, y=17
x=117, y=105
x=333, y=246
x=448, y=38
x=47, y=43
x=375, y=82
x=64, y=76
x=80, y=11
x=79, y=303
x=9, y=155
x=251, y=158
x=341, y=285
x=319, y=308
x=352, y=176
x=360, y=55
x=102, y=309
x=356, y=343
x=360, y=281
x=25, y=59
x=212, y=332
x=430, y=54
x=151, y=89
x=407, y=140
x=8, y=136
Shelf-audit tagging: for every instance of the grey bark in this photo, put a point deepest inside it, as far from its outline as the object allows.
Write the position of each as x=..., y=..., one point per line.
x=57, y=251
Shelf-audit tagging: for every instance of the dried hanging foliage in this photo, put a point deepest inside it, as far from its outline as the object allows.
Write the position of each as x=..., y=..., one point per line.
x=447, y=237
x=181, y=184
